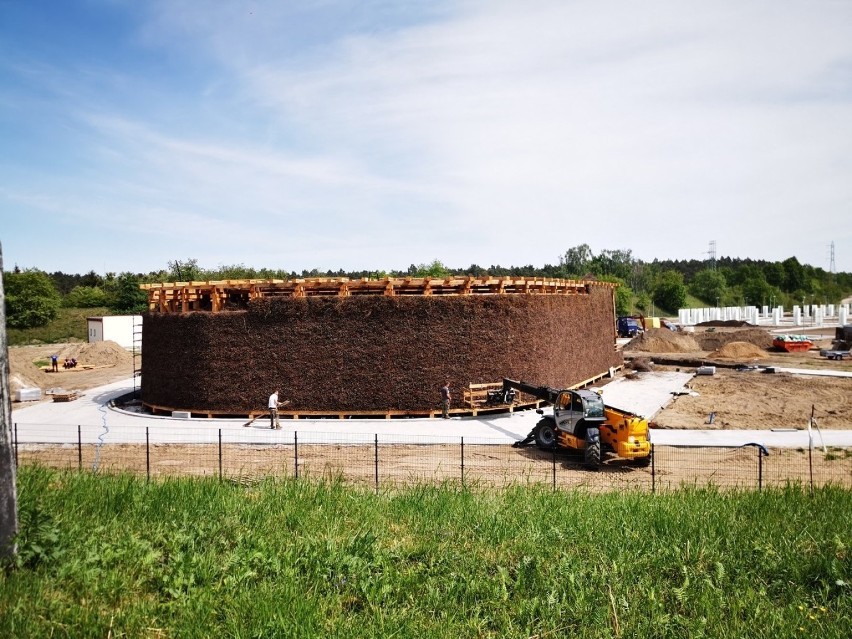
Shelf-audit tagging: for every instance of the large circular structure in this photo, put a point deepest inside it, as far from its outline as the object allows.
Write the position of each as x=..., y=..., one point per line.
x=376, y=346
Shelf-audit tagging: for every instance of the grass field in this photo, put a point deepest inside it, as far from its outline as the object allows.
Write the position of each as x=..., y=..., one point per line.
x=70, y=324
x=115, y=556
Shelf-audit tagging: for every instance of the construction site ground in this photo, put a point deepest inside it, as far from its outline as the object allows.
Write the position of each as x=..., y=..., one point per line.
x=744, y=401
x=738, y=399
x=753, y=398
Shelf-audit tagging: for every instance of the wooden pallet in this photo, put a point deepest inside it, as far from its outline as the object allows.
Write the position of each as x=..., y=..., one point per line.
x=65, y=397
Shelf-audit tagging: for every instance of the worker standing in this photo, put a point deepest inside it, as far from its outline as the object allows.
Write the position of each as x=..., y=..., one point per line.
x=273, y=411
x=54, y=363
x=445, y=400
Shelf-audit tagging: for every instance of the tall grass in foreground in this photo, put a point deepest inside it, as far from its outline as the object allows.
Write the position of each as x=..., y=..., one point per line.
x=114, y=556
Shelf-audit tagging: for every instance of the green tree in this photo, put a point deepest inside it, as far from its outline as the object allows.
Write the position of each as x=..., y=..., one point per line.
x=669, y=291
x=617, y=262
x=709, y=286
x=125, y=296
x=643, y=302
x=757, y=291
x=85, y=297
x=623, y=295
x=434, y=269
x=577, y=260
x=794, y=276
x=186, y=270
x=31, y=299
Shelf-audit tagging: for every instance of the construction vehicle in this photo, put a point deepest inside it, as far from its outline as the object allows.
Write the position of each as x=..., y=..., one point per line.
x=842, y=338
x=628, y=327
x=582, y=422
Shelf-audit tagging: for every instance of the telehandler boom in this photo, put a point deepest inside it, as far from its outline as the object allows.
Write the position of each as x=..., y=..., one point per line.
x=581, y=421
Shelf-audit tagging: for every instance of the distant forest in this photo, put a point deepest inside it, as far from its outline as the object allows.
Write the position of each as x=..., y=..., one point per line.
x=33, y=297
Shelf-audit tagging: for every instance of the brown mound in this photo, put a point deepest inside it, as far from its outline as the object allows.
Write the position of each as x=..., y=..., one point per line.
x=640, y=364
x=662, y=340
x=725, y=323
x=716, y=340
x=739, y=350
x=106, y=353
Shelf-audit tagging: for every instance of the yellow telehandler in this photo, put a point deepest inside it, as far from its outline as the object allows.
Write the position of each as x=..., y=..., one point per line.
x=582, y=422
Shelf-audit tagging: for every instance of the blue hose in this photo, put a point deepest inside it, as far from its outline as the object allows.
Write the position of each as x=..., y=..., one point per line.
x=102, y=409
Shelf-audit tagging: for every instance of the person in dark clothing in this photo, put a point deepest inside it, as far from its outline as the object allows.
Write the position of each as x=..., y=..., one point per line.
x=446, y=398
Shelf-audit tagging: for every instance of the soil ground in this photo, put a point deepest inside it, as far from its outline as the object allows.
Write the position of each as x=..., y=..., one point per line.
x=740, y=400
x=98, y=364
x=480, y=466
x=753, y=399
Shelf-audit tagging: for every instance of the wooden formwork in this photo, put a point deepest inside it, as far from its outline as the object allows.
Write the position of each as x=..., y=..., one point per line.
x=214, y=296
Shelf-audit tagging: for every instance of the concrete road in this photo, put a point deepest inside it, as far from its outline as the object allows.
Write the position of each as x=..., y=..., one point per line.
x=92, y=419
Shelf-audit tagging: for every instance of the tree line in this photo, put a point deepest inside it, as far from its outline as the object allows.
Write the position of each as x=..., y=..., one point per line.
x=34, y=297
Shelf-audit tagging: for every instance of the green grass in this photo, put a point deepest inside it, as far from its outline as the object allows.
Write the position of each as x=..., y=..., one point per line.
x=69, y=324
x=102, y=556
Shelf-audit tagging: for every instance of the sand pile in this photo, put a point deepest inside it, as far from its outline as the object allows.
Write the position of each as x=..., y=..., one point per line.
x=740, y=351
x=662, y=340
x=105, y=353
x=715, y=340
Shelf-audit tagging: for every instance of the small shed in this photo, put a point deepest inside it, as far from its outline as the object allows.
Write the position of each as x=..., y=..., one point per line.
x=124, y=330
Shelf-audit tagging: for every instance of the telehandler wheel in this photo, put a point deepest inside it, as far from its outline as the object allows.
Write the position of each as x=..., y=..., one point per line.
x=592, y=456
x=643, y=462
x=545, y=434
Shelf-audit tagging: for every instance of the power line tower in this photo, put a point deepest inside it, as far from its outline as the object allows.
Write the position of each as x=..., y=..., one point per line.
x=712, y=254
x=832, y=268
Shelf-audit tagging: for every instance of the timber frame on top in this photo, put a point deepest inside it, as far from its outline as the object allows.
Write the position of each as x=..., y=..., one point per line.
x=214, y=296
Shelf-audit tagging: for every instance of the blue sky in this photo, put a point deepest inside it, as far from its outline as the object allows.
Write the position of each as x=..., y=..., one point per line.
x=374, y=134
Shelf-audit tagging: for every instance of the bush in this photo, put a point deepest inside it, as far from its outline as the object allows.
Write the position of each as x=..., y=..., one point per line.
x=669, y=291
x=31, y=299
x=85, y=297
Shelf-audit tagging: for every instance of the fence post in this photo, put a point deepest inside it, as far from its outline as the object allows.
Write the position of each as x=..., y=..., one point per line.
x=79, y=449
x=811, y=463
x=220, y=454
x=296, y=452
x=759, y=469
x=147, y=455
x=653, y=471
x=553, y=466
x=16, y=444
x=462, y=461
x=377, y=462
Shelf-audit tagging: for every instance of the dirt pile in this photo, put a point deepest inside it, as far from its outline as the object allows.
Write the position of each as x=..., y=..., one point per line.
x=662, y=340
x=712, y=341
x=725, y=323
x=27, y=365
x=106, y=353
x=739, y=351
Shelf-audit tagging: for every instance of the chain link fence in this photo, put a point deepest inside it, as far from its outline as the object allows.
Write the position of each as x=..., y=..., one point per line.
x=248, y=456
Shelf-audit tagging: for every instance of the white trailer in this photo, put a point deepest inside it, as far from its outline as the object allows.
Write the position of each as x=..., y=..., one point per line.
x=124, y=330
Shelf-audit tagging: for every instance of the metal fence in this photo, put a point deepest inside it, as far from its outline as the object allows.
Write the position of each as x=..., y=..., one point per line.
x=247, y=456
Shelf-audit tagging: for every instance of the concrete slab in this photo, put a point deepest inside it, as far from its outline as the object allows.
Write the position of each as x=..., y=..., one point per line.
x=647, y=394
x=769, y=438
x=50, y=422
x=815, y=371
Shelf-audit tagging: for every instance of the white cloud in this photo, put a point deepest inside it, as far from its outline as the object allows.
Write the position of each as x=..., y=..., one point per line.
x=489, y=132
